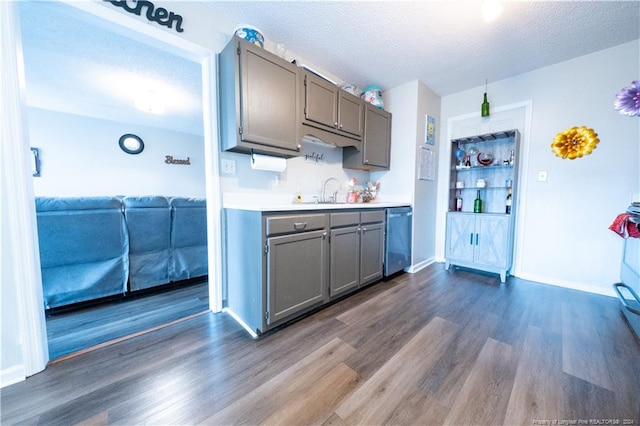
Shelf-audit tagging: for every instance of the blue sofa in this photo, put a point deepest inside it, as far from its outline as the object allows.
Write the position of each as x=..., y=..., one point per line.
x=93, y=247
x=84, y=248
x=188, y=238
x=149, y=224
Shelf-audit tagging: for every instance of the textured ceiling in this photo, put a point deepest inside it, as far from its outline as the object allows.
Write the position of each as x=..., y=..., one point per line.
x=445, y=44
x=77, y=66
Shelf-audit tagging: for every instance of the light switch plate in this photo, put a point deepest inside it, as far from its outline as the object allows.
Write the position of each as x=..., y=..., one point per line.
x=542, y=176
x=229, y=167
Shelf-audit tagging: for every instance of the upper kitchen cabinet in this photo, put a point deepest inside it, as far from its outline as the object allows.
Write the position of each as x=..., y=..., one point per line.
x=376, y=142
x=260, y=101
x=329, y=108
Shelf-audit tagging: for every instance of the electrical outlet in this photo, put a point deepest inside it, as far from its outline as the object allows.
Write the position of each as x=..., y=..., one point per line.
x=542, y=176
x=229, y=167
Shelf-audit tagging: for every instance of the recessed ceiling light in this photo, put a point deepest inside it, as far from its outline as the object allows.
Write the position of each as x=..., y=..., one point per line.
x=150, y=101
x=491, y=9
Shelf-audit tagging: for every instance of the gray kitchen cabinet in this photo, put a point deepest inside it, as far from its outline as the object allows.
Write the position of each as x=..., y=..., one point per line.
x=260, y=101
x=276, y=266
x=281, y=265
x=296, y=273
x=344, y=246
x=483, y=240
x=375, y=152
x=356, y=250
x=328, y=107
x=371, y=246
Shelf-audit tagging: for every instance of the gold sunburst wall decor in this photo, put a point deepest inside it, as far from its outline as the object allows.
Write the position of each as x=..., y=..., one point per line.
x=574, y=142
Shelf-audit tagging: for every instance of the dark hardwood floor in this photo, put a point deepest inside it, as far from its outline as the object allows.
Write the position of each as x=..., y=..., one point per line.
x=70, y=331
x=434, y=347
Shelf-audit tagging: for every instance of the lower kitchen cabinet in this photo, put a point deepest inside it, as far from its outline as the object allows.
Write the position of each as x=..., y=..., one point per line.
x=296, y=273
x=280, y=266
x=356, y=249
x=479, y=240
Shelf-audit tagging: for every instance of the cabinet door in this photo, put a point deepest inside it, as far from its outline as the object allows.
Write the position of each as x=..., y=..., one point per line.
x=491, y=240
x=345, y=260
x=460, y=236
x=350, y=113
x=296, y=273
x=269, y=102
x=377, y=136
x=371, y=252
x=321, y=101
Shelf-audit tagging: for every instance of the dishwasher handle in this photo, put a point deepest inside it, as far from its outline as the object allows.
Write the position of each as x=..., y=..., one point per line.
x=399, y=214
x=616, y=287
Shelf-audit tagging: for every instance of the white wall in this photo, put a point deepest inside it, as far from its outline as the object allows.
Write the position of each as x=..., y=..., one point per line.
x=303, y=174
x=565, y=240
x=80, y=156
x=409, y=104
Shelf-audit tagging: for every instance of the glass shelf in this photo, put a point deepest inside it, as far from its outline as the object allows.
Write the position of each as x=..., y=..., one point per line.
x=499, y=166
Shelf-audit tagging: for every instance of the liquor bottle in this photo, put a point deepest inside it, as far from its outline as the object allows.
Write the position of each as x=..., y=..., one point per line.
x=477, y=203
x=459, y=203
x=508, y=202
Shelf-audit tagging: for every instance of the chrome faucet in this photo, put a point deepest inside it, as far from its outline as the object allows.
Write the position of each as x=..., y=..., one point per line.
x=334, y=197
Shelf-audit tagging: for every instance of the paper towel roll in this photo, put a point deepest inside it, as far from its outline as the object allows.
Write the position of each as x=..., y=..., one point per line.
x=265, y=162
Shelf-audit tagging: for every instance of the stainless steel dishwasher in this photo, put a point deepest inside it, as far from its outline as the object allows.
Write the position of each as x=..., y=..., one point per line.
x=397, y=252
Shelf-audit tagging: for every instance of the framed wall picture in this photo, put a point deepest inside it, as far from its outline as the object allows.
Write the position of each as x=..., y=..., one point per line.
x=430, y=131
x=35, y=162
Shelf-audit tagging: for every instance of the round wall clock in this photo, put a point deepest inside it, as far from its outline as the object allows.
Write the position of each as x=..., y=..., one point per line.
x=131, y=144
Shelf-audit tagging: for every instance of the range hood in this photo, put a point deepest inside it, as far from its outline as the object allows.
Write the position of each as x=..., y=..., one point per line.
x=317, y=136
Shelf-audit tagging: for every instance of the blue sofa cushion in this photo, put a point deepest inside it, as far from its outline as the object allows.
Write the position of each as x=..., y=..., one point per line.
x=149, y=224
x=84, y=248
x=188, y=238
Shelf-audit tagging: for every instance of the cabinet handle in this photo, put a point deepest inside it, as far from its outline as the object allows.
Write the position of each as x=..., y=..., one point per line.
x=299, y=225
x=364, y=230
x=341, y=126
x=335, y=124
x=476, y=239
x=471, y=238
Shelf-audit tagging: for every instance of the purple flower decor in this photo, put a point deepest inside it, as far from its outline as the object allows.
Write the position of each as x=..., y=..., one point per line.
x=628, y=100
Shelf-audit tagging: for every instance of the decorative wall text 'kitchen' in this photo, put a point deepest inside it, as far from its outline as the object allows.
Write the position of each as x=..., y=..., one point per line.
x=160, y=15
x=170, y=160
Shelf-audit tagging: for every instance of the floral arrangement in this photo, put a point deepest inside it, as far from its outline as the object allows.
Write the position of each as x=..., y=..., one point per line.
x=357, y=193
x=369, y=192
x=628, y=100
x=574, y=142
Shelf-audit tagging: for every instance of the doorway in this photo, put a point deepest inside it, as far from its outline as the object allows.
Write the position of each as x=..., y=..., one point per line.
x=94, y=182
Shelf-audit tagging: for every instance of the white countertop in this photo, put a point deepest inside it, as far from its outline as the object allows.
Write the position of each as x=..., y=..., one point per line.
x=278, y=202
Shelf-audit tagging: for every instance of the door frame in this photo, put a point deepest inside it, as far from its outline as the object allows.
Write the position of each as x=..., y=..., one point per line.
x=20, y=210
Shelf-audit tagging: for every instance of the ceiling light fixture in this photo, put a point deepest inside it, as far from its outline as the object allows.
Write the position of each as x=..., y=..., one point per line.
x=491, y=9
x=150, y=101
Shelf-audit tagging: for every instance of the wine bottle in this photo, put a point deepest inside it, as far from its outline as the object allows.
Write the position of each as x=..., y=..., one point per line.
x=485, y=107
x=477, y=203
x=508, y=203
x=459, y=203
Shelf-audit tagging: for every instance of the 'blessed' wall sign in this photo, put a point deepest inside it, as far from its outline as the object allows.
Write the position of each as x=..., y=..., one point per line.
x=160, y=15
x=168, y=159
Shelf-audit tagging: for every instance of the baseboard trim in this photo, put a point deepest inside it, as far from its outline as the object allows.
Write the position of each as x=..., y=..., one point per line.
x=12, y=375
x=604, y=291
x=420, y=266
x=239, y=321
